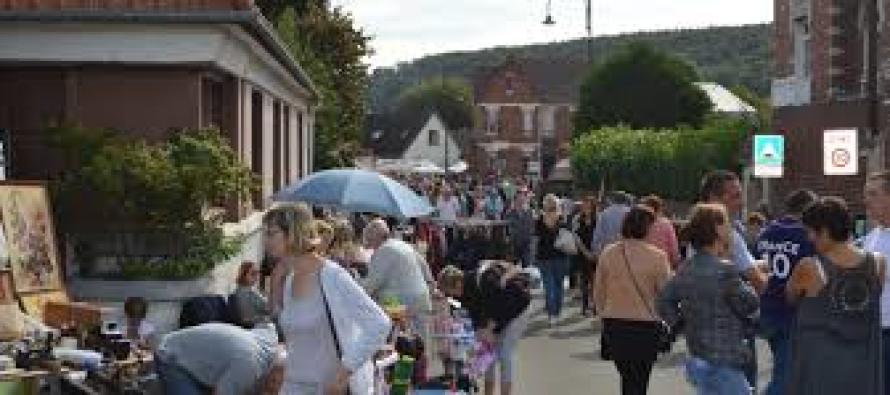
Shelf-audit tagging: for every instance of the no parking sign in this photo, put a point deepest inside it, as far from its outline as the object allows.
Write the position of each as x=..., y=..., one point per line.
x=840, y=152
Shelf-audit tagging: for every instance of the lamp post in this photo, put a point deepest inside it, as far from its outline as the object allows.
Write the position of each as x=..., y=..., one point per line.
x=549, y=21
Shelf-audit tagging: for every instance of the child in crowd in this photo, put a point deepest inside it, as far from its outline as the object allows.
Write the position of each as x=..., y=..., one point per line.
x=138, y=329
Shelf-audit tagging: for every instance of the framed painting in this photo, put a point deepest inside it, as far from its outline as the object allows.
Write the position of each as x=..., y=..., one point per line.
x=27, y=223
x=7, y=292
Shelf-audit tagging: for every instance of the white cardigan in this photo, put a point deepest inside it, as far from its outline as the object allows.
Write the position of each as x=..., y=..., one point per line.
x=362, y=326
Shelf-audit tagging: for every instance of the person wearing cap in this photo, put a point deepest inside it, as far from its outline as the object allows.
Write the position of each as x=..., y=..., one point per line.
x=222, y=358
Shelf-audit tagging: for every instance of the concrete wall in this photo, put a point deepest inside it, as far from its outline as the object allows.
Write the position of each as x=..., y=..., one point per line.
x=166, y=297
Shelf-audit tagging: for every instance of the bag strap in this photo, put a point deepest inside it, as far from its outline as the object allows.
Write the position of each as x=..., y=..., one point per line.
x=637, y=285
x=327, y=309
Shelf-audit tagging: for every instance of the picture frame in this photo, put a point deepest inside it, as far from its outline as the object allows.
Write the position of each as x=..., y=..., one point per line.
x=30, y=242
x=7, y=290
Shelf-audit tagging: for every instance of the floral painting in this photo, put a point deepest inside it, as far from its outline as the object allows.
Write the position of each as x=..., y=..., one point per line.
x=30, y=238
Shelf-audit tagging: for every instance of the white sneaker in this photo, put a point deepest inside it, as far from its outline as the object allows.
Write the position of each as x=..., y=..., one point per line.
x=552, y=321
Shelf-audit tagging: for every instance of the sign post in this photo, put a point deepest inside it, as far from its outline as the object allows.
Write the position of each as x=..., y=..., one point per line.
x=769, y=155
x=840, y=152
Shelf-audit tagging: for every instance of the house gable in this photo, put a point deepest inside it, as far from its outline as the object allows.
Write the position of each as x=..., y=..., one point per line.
x=421, y=148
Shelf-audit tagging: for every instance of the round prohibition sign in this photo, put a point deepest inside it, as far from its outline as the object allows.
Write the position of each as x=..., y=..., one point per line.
x=840, y=157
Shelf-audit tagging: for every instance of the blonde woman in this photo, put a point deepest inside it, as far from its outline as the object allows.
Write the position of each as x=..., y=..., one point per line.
x=331, y=327
x=553, y=263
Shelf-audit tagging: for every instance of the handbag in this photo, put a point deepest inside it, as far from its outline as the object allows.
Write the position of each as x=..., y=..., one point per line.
x=664, y=337
x=566, y=242
x=327, y=310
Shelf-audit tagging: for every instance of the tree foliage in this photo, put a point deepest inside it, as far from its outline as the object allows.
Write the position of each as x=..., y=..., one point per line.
x=643, y=88
x=451, y=98
x=669, y=163
x=728, y=55
x=326, y=43
x=155, y=188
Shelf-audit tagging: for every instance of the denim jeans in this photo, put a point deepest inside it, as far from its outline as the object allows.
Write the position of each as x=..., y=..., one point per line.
x=710, y=379
x=885, y=340
x=777, y=336
x=553, y=274
x=177, y=380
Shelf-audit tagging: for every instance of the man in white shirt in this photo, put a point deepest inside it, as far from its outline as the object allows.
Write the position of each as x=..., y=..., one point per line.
x=397, y=270
x=448, y=205
x=877, y=206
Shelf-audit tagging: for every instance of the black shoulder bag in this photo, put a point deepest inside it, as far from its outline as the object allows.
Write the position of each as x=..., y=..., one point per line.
x=327, y=309
x=664, y=339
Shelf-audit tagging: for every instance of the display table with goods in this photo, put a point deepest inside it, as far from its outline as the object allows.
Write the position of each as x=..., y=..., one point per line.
x=76, y=357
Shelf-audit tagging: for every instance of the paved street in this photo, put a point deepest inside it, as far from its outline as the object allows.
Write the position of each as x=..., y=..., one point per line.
x=565, y=360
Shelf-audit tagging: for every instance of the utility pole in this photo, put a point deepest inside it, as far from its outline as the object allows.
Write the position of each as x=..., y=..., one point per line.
x=872, y=82
x=589, y=14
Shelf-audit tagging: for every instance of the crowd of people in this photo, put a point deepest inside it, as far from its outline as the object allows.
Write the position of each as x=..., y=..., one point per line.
x=800, y=281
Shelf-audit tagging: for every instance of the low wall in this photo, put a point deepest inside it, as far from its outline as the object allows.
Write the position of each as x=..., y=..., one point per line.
x=165, y=297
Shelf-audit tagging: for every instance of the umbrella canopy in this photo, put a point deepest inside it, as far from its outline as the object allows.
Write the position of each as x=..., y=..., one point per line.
x=356, y=190
x=427, y=167
x=458, y=167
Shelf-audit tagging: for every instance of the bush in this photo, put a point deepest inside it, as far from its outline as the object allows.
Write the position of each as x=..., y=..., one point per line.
x=669, y=163
x=155, y=188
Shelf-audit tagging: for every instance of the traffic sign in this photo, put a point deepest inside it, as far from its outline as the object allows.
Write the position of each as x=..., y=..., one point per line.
x=769, y=155
x=840, y=152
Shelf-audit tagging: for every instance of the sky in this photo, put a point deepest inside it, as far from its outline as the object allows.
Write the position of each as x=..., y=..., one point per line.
x=403, y=30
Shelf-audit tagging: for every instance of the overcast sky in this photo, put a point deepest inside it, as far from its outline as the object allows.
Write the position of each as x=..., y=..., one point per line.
x=403, y=30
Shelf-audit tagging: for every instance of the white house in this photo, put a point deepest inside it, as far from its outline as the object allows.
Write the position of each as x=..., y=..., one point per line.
x=434, y=143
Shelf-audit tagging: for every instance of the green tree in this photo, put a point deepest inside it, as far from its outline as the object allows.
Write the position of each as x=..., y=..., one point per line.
x=272, y=9
x=331, y=49
x=451, y=98
x=641, y=87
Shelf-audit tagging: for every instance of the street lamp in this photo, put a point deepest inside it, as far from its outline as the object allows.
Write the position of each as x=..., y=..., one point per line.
x=548, y=20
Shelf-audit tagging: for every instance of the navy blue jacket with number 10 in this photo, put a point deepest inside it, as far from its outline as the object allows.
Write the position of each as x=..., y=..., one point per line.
x=782, y=245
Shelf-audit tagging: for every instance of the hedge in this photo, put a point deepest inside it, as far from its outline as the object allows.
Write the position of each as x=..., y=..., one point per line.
x=669, y=163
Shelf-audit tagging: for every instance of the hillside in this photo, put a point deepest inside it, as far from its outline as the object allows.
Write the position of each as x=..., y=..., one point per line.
x=728, y=55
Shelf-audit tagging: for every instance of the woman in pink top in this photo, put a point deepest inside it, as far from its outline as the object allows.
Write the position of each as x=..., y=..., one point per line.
x=663, y=234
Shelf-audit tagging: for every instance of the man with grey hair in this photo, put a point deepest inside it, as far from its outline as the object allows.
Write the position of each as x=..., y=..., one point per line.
x=222, y=358
x=610, y=221
x=397, y=270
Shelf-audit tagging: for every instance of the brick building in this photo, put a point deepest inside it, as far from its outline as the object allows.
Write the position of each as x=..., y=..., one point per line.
x=526, y=109
x=830, y=70
x=148, y=68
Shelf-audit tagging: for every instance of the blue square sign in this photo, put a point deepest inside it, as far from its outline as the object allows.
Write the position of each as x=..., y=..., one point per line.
x=769, y=155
